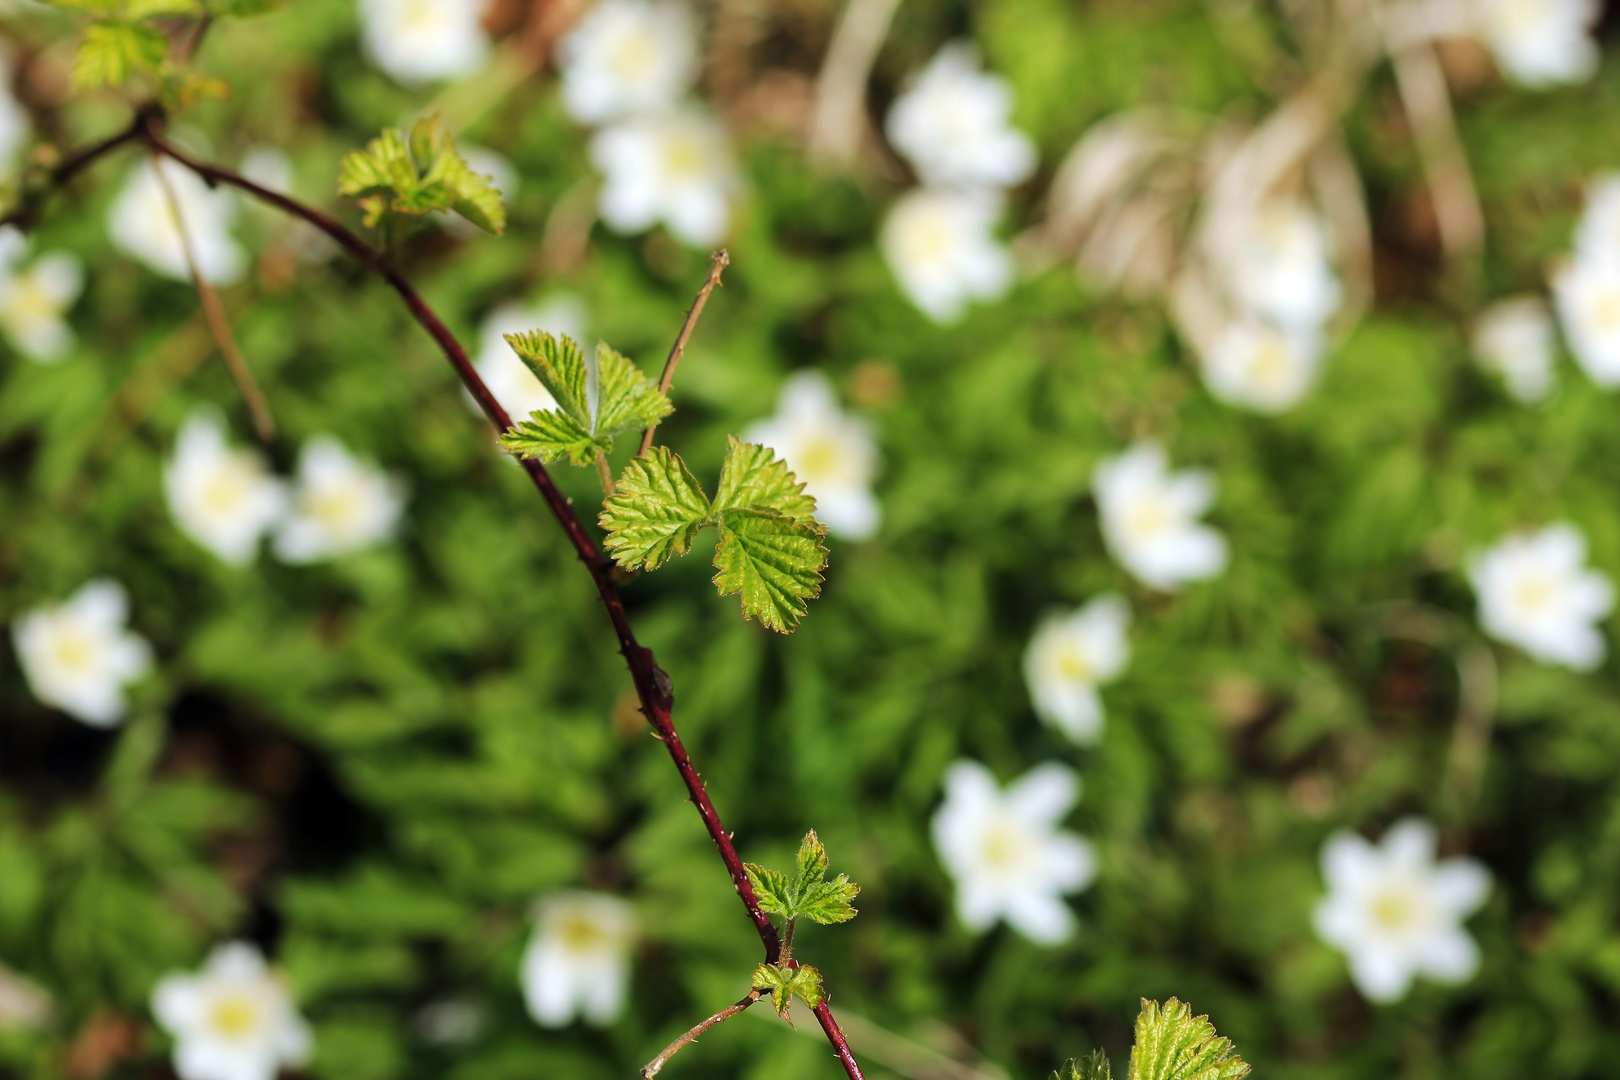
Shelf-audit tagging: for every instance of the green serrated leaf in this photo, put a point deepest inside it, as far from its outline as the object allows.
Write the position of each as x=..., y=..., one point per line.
x=829, y=902
x=806, y=986
x=628, y=400
x=1172, y=1044
x=778, y=982
x=147, y=9
x=1093, y=1066
x=551, y=436
x=113, y=52
x=420, y=174
x=771, y=887
x=384, y=167
x=560, y=366
x=773, y=562
x=810, y=865
x=754, y=476
x=655, y=511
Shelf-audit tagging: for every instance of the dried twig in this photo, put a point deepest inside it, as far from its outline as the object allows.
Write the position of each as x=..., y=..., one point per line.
x=214, y=314
x=651, y=1069
x=718, y=262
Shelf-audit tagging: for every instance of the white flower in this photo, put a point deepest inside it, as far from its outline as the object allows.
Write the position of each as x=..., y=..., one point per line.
x=1514, y=338
x=34, y=301
x=1281, y=266
x=78, y=655
x=142, y=224
x=1598, y=233
x=222, y=498
x=1396, y=912
x=1069, y=657
x=513, y=384
x=234, y=1020
x=953, y=125
x=579, y=958
x=627, y=57
x=1254, y=365
x=340, y=505
x=831, y=452
x=422, y=40
x=673, y=167
x=1535, y=592
x=13, y=123
x=1541, y=42
x=1008, y=857
x=1150, y=518
x=23, y=1004
x=941, y=246
x=1587, y=294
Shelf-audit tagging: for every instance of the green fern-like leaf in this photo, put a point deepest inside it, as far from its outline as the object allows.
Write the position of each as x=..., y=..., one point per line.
x=809, y=895
x=602, y=394
x=1173, y=1044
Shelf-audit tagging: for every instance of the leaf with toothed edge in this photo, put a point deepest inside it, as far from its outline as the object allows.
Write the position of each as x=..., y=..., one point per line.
x=773, y=562
x=552, y=436
x=1173, y=1044
x=655, y=511
x=754, y=476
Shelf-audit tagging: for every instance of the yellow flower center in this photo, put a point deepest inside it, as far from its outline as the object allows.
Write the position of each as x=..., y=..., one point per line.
x=28, y=303
x=817, y=457
x=927, y=240
x=1534, y=593
x=1394, y=910
x=334, y=509
x=223, y=492
x=234, y=1016
x=1605, y=311
x=1269, y=365
x=683, y=157
x=419, y=15
x=72, y=649
x=1004, y=846
x=1072, y=666
x=580, y=934
x=630, y=55
x=1147, y=518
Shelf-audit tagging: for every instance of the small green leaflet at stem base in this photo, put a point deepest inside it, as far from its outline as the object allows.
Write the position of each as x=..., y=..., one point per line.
x=773, y=562
x=655, y=511
x=786, y=983
x=420, y=175
x=810, y=895
x=753, y=476
x=1094, y=1066
x=1172, y=1044
x=113, y=52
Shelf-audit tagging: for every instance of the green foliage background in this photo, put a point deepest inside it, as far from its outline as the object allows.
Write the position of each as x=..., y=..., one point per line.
x=376, y=765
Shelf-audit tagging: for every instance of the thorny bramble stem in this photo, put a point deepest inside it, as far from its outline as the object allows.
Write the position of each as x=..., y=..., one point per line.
x=652, y=685
x=27, y=212
x=652, y=1067
x=717, y=262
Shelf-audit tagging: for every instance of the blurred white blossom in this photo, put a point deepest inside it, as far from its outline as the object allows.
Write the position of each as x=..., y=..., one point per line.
x=1071, y=655
x=831, y=452
x=579, y=958
x=233, y=1020
x=1587, y=294
x=1150, y=518
x=953, y=125
x=513, y=384
x=627, y=57
x=1536, y=592
x=1281, y=267
x=79, y=655
x=225, y=499
x=1540, y=43
x=13, y=122
x=1396, y=912
x=1254, y=365
x=340, y=505
x=1006, y=853
x=942, y=248
x=672, y=167
x=34, y=299
x=419, y=41
x=23, y=1004
x=1597, y=235
x=142, y=224
x=1515, y=339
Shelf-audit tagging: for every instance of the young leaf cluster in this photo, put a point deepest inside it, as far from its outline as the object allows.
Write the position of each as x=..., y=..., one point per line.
x=770, y=549
x=419, y=174
x=598, y=396
x=1171, y=1044
x=785, y=983
x=809, y=895
x=120, y=44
